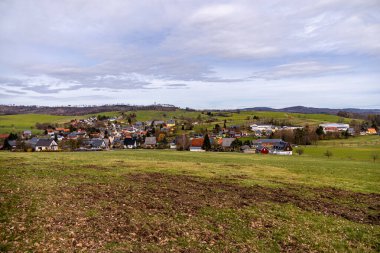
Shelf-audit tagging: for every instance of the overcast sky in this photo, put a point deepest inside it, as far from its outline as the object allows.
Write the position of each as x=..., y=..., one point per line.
x=200, y=54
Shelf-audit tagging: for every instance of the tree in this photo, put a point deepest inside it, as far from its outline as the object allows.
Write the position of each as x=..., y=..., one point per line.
x=236, y=144
x=319, y=131
x=299, y=151
x=328, y=153
x=206, y=143
x=374, y=156
x=182, y=142
x=247, y=142
x=12, y=137
x=346, y=134
x=217, y=128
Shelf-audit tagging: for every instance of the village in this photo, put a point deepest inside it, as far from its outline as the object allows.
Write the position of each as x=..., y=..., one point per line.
x=103, y=133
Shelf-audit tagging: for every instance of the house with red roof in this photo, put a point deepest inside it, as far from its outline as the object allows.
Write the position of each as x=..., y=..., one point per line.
x=196, y=144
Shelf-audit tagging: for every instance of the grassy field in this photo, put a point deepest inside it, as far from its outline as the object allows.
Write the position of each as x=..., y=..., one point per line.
x=21, y=122
x=359, y=148
x=168, y=201
x=18, y=123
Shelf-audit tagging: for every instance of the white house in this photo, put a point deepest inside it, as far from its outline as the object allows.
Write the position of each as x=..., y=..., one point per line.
x=46, y=145
x=334, y=127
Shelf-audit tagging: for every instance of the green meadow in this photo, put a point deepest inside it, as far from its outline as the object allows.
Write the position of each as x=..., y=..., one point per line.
x=20, y=122
x=162, y=201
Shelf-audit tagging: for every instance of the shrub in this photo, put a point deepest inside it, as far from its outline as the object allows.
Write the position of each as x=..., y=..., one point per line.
x=374, y=156
x=299, y=151
x=328, y=153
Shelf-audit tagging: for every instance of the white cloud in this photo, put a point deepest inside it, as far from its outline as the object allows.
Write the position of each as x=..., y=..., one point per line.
x=300, y=70
x=56, y=47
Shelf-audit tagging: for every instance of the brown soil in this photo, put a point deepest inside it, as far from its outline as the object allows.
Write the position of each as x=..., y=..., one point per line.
x=189, y=194
x=155, y=209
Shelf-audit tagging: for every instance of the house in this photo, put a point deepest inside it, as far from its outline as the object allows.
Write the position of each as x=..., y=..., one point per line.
x=371, y=131
x=334, y=127
x=196, y=144
x=4, y=136
x=157, y=123
x=50, y=133
x=97, y=144
x=170, y=123
x=282, y=148
x=247, y=149
x=130, y=143
x=117, y=143
x=269, y=143
x=273, y=146
x=46, y=145
x=226, y=143
x=10, y=145
x=138, y=124
x=150, y=142
x=173, y=145
x=72, y=136
x=262, y=150
x=26, y=134
x=261, y=128
x=351, y=131
x=258, y=133
x=32, y=142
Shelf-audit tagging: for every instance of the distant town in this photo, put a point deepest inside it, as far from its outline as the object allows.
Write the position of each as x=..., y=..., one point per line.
x=101, y=133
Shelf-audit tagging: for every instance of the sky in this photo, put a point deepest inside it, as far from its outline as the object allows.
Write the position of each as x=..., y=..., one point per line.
x=190, y=53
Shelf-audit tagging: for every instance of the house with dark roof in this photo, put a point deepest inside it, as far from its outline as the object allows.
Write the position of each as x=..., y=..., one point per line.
x=32, y=142
x=26, y=134
x=158, y=123
x=10, y=145
x=46, y=145
x=150, y=142
x=97, y=144
x=226, y=143
x=269, y=143
x=272, y=146
x=130, y=143
x=282, y=148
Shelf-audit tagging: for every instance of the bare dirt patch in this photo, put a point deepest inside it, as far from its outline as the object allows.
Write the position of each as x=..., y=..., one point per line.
x=150, y=211
x=188, y=194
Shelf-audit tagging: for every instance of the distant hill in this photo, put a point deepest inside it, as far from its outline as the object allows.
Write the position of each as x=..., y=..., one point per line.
x=78, y=110
x=309, y=110
x=83, y=110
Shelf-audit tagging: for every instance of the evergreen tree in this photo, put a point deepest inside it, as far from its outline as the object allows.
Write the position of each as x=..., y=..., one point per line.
x=217, y=128
x=236, y=144
x=12, y=136
x=206, y=143
x=319, y=131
